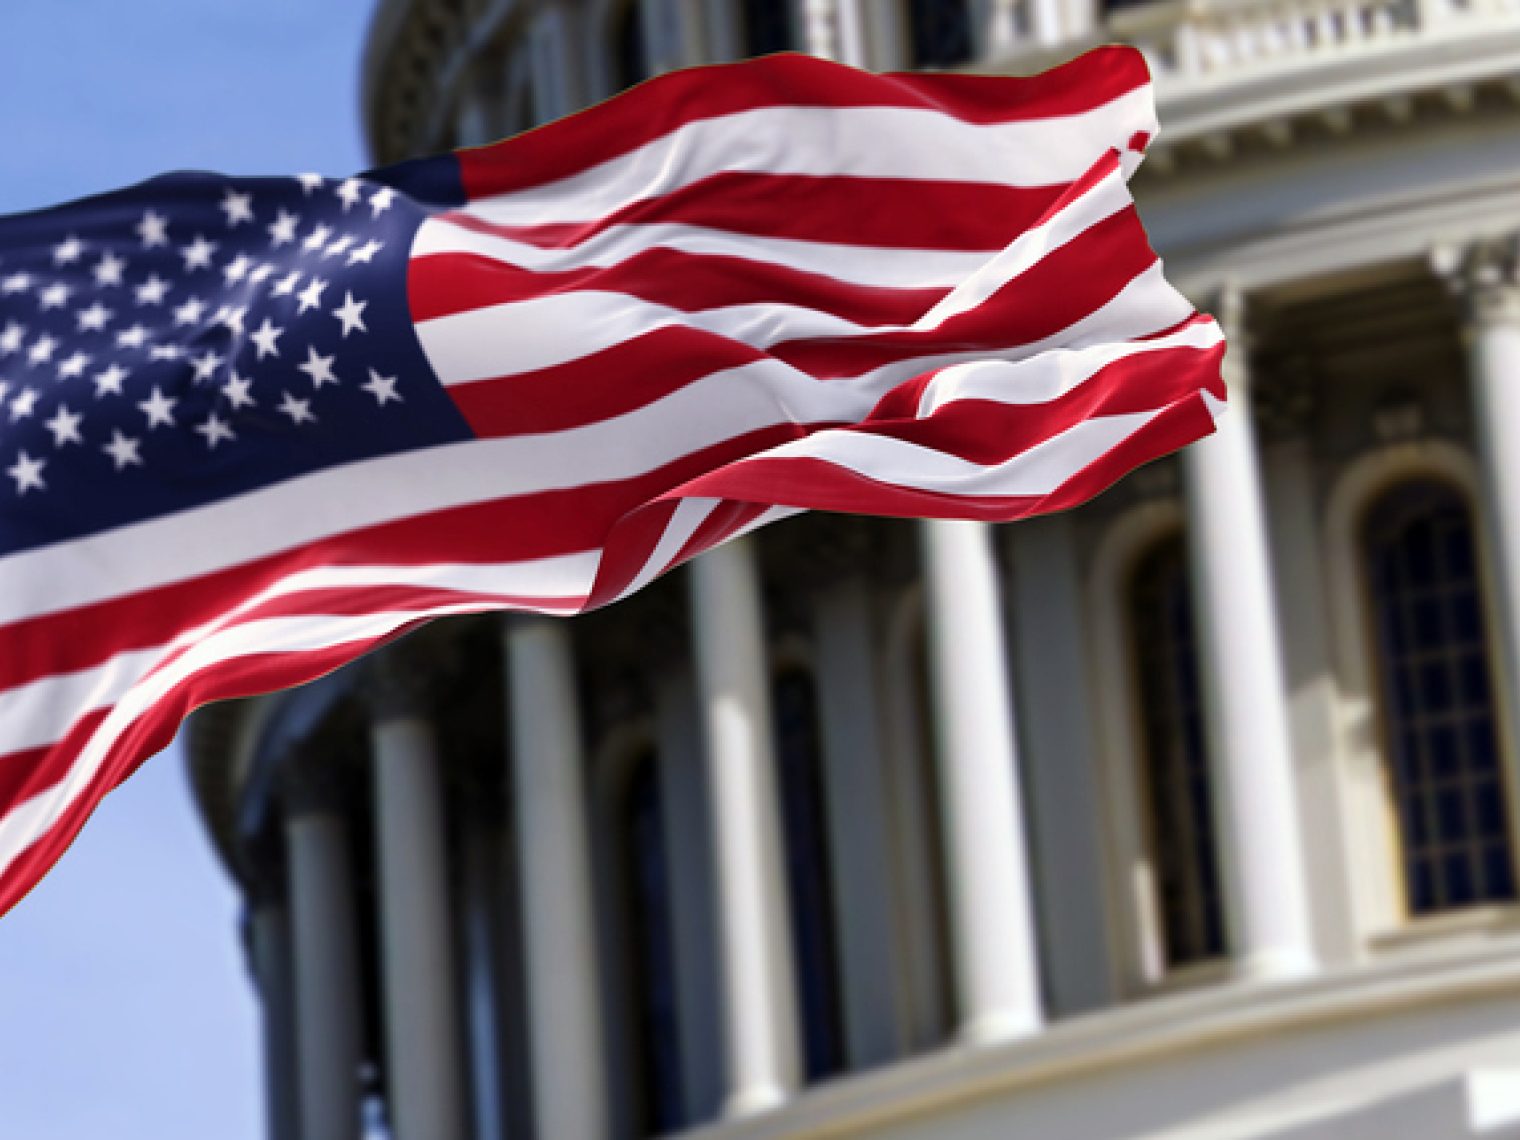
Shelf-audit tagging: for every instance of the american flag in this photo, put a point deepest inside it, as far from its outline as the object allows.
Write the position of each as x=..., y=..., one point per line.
x=252, y=427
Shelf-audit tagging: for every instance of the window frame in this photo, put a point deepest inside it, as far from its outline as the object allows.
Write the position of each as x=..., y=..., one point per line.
x=1381, y=916
x=1133, y=877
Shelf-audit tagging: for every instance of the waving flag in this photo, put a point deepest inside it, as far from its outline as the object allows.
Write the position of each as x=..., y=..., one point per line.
x=252, y=427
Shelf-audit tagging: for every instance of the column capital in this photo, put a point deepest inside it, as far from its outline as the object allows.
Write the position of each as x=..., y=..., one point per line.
x=1228, y=304
x=1484, y=276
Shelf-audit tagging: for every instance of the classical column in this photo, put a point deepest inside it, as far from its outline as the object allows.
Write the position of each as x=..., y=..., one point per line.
x=991, y=905
x=1488, y=279
x=1255, y=800
x=559, y=934
x=268, y=938
x=859, y=819
x=422, y=1025
x=759, y=994
x=324, y=937
x=1057, y=721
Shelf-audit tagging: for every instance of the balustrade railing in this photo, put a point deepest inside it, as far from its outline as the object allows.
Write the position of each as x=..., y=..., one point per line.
x=1204, y=39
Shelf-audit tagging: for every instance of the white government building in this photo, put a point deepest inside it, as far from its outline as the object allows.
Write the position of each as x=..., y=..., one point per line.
x=1189, y=813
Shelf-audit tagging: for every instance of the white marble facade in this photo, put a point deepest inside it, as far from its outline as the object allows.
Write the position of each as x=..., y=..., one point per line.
x=1188, y=813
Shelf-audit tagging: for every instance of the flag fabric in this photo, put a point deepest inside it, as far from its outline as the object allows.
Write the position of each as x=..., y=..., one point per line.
x=252, y=427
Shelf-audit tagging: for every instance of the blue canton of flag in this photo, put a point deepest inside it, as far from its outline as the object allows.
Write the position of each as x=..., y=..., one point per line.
x=196, y=336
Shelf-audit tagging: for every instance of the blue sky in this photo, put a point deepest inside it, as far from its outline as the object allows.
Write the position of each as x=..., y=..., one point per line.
x=125, y=1007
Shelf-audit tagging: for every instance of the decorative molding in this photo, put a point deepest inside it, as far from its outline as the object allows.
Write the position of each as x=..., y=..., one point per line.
x=1484, y=276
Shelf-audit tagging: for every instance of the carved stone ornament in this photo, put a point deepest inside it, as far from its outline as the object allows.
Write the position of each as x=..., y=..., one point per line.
x=1484, y=276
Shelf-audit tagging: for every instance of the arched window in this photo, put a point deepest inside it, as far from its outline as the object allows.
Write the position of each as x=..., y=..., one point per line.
x=1435, y=680
x=941, y=31
x=767, y=26
x=650, y=957
x=799, y=755
x=630, y=52
x=1177, y=783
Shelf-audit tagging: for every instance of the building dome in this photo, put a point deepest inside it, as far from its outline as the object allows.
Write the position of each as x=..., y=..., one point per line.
x=1189, y=812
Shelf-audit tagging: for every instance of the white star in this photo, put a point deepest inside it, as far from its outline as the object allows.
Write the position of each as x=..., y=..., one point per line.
x=134, y=337
x=237, y=207
x=215, y=429
x=236, y=391
x=232, y=317
x=110, y=380
x=286, y=285
x=151, y=291
x=41, y=350
x=54, y=296
x=165, y=352
x=205, y=365
x=158, y=408
x=351, y=314
x=310, y=182
x=16, y=283
x=108, y=270
x=264, y=338
x=24, y=404
x=299, y=411
x=153, y=229
x=312, y=294
x=382, y=388
x=317, y=238
x=94, y=318
x=365, y=252
x=68, y=251
x=318, y=367
x=237, y=268
x=123, y=449
x=73, y=366
x=334, y=248
x=381, y=201
x=10, y=338
x=65, y=426
x=198, y=253
x=282, y=231
x=349, y=192
x=190, y=312
x=28, y=473
x=260, y=272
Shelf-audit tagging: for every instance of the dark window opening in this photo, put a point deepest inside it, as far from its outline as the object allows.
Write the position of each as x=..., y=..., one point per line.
x=1178, y=784
x=651, y=953
x=941, y=31
x=767, y=26
x=810, y=882
x=631, y=53
x=1439, y=721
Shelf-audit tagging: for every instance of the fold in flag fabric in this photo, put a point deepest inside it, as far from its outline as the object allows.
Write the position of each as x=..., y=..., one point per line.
x=252, y=427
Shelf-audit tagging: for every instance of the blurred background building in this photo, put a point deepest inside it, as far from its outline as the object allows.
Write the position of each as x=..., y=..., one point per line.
x=1192, y=811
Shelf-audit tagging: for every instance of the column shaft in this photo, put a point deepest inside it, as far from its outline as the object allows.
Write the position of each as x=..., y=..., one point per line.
x=1494, y=336
x=269, y=948
x=1255, y=798
x=325, y=937
x=559, y=935
x=991, y=907
x=759, y=995
x=422, y=1029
